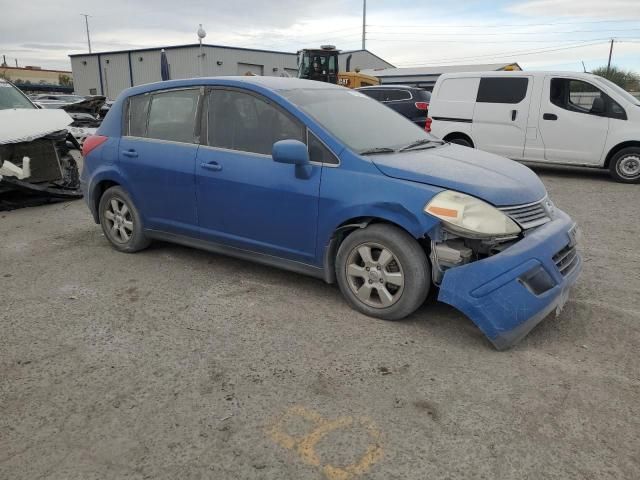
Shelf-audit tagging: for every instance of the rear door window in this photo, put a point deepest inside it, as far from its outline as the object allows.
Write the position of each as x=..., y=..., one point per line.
x=502, y=90
x=172, y=115
x=245, y=122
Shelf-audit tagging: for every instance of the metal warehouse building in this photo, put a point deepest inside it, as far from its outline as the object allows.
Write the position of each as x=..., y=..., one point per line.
x=108, y=73
x=425, y=77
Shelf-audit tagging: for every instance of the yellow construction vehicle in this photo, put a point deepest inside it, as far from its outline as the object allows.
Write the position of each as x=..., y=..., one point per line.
x=321, y=64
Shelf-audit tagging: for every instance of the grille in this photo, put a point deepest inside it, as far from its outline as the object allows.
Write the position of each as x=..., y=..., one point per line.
x=566, y=259
x=530, y=215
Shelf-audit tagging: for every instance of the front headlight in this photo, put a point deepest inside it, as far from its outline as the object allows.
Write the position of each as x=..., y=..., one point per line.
x=465, y=214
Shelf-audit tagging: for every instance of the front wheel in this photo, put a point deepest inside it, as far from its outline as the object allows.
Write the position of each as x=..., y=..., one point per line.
x=383, y=272
x=625, y=165
x=461, y=141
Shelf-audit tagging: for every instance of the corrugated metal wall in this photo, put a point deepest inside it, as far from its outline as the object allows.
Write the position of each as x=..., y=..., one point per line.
x=185, y=62
x=115, y=73
x=361, y=59
x=85, y=75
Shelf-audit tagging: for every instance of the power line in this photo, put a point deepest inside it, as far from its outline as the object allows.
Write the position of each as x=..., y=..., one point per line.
x=603, y=32
x=521, y=53
x=480, y=25
x=492, y=42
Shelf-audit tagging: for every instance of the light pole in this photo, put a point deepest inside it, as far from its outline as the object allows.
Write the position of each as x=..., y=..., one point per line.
x=86, y=23
x=201, y=35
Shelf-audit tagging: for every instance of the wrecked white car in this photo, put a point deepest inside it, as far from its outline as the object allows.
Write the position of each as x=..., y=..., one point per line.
x=36, y=165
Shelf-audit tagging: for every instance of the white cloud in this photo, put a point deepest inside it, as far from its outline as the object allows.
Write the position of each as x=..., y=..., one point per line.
x=600, y=9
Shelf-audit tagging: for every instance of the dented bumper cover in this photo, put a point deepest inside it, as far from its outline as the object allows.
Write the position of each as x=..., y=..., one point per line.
x=508, y=294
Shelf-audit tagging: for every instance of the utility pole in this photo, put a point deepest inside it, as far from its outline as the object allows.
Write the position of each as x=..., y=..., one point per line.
x=610, y=53
x=86, y=23
x=364, y=24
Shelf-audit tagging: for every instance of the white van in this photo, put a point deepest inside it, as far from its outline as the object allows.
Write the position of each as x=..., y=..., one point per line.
x=544, y=117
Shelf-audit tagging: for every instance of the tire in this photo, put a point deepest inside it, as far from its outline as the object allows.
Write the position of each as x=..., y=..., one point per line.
x=625, y=165
x=460, y=141
x=396, y=289
x=120, y=221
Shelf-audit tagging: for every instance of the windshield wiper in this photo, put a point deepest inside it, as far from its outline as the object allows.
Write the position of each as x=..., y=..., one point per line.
x=373, y=151
x=420, y=142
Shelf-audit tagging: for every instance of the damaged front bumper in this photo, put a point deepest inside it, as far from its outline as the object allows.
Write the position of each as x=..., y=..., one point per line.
x=43, y=168
x=508, y=294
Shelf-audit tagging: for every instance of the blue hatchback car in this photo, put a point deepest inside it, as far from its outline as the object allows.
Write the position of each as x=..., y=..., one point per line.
x=325, y=181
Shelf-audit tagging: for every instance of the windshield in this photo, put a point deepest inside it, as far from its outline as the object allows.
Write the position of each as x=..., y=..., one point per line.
x=620, y=91
x=358, y=121
x=11, y=97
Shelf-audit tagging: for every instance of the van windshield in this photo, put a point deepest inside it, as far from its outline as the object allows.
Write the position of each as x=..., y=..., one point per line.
x=361, y=123
x=11, y=97
x=619, y=90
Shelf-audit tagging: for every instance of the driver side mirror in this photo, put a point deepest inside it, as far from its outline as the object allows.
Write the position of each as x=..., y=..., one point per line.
x=293, y=152
x=598, y=106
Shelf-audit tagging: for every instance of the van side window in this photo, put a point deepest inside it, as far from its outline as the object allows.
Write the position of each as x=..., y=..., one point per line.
x=319, y=153
x=502, y=89
x=138, y=113
x=244, y=122
x=579, y=96
x=172, y=115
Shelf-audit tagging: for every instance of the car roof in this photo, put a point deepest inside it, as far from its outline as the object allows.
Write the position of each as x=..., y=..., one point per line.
x=517, y=74
x=271, y=83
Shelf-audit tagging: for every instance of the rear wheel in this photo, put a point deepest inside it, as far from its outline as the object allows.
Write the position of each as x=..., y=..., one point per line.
x=383, y=272
x=625, y=165
x=121, y=222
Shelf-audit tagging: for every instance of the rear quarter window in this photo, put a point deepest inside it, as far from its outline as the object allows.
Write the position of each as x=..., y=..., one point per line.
x=396, y=95
x=502, y=90
x=138, y=112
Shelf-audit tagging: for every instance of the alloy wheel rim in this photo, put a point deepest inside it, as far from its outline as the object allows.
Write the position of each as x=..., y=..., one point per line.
x=375, y=275
x=629, y=166
x=119, y=220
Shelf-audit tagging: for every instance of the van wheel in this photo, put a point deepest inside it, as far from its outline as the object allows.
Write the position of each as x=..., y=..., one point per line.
x=121, y=222
x=625, y=165
x=460, y=141
x=383, y=272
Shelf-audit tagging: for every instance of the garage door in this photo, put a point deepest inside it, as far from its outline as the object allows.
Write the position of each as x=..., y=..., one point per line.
x=244, y=68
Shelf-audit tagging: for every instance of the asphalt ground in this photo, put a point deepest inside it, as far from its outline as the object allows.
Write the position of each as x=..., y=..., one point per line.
x=175, y=363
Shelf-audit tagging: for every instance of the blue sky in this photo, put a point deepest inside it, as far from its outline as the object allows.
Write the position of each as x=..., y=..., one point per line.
x=539, y=34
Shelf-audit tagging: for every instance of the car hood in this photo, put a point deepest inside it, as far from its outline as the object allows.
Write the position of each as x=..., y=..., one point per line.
x=495, y=179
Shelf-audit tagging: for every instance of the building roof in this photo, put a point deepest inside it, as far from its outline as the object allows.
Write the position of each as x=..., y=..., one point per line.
x=345, y=52
x=175, y=47
x=191, y=45
x=25, y=69
x=438, y=70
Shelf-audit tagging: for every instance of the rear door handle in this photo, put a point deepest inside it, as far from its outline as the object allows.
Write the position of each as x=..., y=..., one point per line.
x=514, y=115
x=130, y=153
x=549, y=116
x=214, y=166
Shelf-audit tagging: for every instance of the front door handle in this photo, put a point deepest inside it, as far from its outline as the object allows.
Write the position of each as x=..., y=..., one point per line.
x=514, y=115
x=214, y=166
x=549, y=116
x=130, y=153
